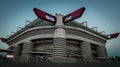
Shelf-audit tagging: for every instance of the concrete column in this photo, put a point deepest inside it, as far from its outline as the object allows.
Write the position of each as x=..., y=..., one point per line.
x=59, y=41
x=59, y=45
x=16, y=52
x=101, y=51
x=59, y=20
x=27, y=47
x=85, y=49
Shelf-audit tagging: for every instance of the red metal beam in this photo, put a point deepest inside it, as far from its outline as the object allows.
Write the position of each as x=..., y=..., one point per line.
x=3, y=39
x=44, y=15
x=76, y=14
x=114, y=35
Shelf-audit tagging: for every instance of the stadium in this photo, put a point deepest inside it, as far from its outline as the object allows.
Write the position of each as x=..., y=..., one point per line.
x=57, y=38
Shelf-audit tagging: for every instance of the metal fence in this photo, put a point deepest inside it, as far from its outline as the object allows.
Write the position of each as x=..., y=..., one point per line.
x=45, y=60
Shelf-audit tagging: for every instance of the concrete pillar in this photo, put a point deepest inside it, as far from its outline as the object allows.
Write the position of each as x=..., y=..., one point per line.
x=59, y=20
x=101, y=51
x=59, y=41
x=27, y=47
x=85, y=49
x=16, y=52
x=59, y=45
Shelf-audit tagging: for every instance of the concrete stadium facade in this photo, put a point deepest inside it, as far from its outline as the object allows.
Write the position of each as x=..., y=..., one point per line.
x=71, y=40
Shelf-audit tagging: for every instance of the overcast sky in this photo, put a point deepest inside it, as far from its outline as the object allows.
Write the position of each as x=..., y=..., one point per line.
x=105, y=14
